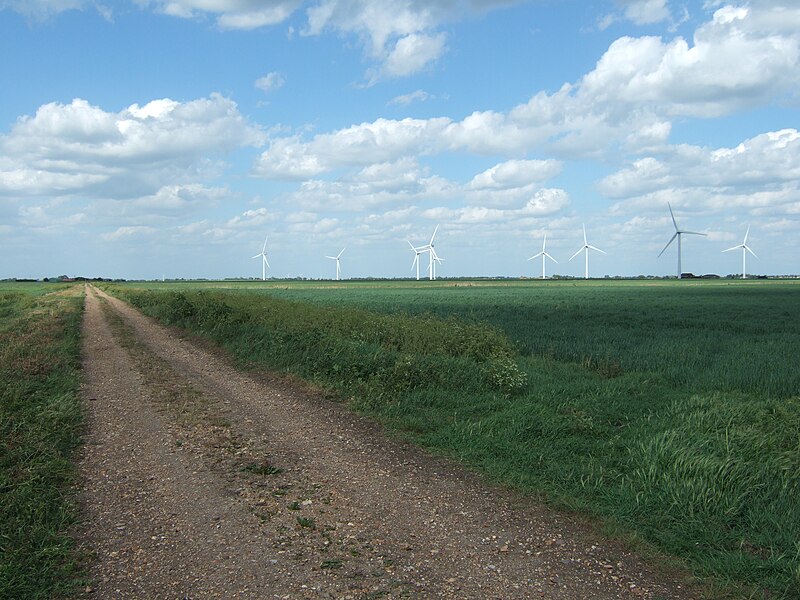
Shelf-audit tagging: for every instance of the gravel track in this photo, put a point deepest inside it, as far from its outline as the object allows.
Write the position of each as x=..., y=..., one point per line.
x=201, y=481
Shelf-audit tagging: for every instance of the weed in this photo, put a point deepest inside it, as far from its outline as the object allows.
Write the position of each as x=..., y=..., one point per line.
x=334, y=563
x=306, y=522
x=262, y=468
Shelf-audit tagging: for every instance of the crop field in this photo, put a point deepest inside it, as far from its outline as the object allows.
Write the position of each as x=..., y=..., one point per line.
x=669, y=411
x=40, y=423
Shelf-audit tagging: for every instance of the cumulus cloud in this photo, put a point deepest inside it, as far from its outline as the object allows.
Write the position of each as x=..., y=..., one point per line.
x=68, y=148
x=740, y=58
x=515, y=173
x=411, y=54
x=761, y=175
x=543, y=203
x=767, y=159
x=401, y=36
x=270, y=82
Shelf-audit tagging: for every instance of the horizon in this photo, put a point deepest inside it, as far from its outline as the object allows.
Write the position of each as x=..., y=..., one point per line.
x=366, y=124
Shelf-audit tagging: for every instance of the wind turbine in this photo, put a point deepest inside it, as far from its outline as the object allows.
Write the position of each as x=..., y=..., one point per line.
x=433, y=258
x=265, y=262
x=544, y=255
x=745, y=249
x=417, y=252
x=336, y=258
x=678, y=233
x=585, y=248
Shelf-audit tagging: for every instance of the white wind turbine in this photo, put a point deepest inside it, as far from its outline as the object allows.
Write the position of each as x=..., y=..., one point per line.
x=417, y=252
x=433, y=258
x=264, y=262
x=585, y=248
x=544, y=255
x=678, y=233
x=336, y=258
x=745, y=249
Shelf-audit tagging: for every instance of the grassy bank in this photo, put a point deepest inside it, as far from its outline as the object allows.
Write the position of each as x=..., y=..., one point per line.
x=40, y=421
x=706, y=468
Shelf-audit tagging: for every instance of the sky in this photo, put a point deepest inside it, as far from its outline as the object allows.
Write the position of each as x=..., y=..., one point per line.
x=142, y=139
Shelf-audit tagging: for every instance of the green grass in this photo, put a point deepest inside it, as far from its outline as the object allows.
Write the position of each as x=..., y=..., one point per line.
x=667, y=410
x=40, y=425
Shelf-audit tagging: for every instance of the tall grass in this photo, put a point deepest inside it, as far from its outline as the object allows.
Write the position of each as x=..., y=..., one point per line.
x=704, y=336
x=706, y=468
x=40, y=424
x=350, y=349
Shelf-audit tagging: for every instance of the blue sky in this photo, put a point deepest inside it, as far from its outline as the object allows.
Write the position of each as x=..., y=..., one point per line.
x=144, y=138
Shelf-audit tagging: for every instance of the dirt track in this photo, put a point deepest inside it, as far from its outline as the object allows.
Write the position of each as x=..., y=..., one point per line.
x=204, y=482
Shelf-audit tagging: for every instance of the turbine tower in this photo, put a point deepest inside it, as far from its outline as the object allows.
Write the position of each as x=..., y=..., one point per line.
x=417, y=252
x=544, y=255
x=585, y=248
x=745, y=249
x=678, y=233
x=265, y=262
x=336, y=258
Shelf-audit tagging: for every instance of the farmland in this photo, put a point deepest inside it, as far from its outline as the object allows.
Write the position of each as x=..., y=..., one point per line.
x=667, y=410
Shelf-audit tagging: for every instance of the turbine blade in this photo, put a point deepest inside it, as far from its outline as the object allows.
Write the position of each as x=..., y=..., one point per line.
x=672, y=239
x=598, y=249
x=331, y=257
x=257, y=255
x=412, y=246
x=576, y=254
x=340, y=253
x=544, y=242
x=746, y=233
x=550, y=257
x=264, y=249
x=434, y=235
x=750, y=251
x=584, y=235
x=265, y=260
x=694, y=233
x=734, y=248
x=537, y=255
x=671, y=214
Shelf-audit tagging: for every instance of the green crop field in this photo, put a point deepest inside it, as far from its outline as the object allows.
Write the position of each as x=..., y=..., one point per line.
x=669, y=411
x=40, y=424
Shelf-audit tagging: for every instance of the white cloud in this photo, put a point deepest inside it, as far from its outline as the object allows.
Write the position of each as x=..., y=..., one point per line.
x=401, y=36
x=406, y=99
x=126, y=233
x=645, y=12
x=230, y=14
x=768, y=159
x=544, y=202
x=626, y=103
x=42, y=9
x=515, y=173
x=411, y=54
x=80, y=148
x=270, y=82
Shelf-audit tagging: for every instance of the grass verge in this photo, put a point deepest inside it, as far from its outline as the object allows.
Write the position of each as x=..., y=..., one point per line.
x=40, y=428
